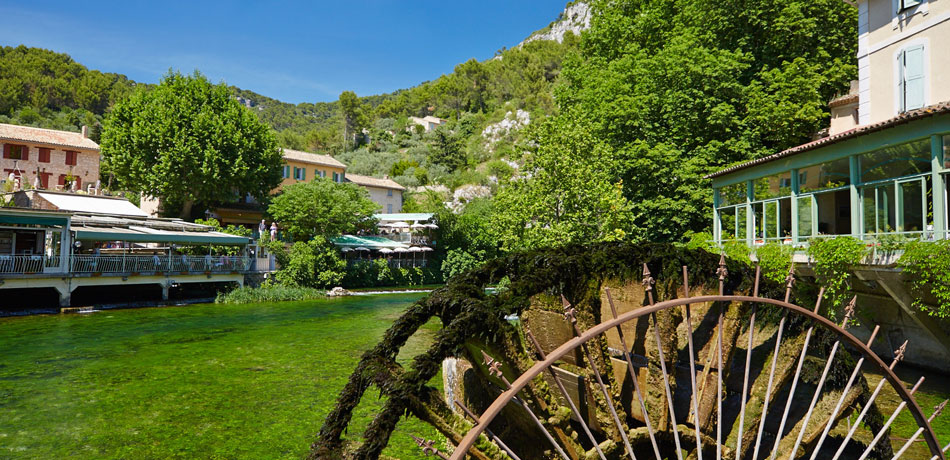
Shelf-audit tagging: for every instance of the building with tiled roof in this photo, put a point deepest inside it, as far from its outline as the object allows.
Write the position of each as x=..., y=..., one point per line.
x=385, y=192
x=48, y=159
x=305, y=166
x=881, y=170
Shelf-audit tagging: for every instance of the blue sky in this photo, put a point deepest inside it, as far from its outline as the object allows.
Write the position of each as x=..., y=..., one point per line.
x=295, y=51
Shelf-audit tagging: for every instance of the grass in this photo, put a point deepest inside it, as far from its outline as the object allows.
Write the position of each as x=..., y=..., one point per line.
x=201, y=381
x=269, y=294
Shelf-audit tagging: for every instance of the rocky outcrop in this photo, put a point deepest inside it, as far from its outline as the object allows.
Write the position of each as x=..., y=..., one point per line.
x=574, y=19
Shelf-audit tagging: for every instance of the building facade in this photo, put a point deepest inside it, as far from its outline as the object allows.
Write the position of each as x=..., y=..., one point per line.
x=305, y=166
x=385, y=192
x=48, y=159
x=428, y=122
x=881, y=170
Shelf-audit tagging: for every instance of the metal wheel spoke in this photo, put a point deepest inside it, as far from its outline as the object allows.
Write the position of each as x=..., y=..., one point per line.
x=692, y=366
x=564, y=393
x=501, y=445
x=748, y=365
x=569, y=314
x=648, y=283
x=887, y=424
x=844, y=394
x=633, y=377
x=899, y=355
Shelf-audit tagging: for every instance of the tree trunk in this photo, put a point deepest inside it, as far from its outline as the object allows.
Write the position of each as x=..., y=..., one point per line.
x=186, y=209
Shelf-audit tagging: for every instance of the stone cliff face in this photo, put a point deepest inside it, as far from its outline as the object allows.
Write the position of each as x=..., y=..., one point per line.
x=575, y=19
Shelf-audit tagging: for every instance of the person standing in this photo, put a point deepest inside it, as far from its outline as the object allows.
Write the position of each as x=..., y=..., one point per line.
x=273, y=230
x=261, y=229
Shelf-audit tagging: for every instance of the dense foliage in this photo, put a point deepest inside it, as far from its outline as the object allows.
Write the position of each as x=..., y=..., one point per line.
x=322, y=208
x=833, y=260
x=188, y=142
x=378, y=273
x=42, y=88
x=269, y=293
x=927, y=266
x=312, y=264
x=677, y=89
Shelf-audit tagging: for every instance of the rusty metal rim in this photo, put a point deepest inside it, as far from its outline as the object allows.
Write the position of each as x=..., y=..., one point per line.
x=522, y=381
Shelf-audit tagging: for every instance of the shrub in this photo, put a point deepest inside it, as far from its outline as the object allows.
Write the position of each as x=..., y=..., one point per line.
x=268, y=293
x=312, y=264
x=377, y=273
x=458, y=261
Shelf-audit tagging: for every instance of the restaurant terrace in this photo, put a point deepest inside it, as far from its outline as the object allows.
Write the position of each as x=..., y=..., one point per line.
x=883, y=179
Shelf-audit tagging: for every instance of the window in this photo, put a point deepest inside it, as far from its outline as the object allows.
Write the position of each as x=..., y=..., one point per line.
x=16, y=152
x=910, y=80
x=44, y=155
x=832, y=174
x=336, y=177
x=907, y=4
x=389, y=192
x=71, y=158
x=732, y=194
x=300, y=173
x=389, y=208
x=892, y=162
x=286, y=172
x=775, y=186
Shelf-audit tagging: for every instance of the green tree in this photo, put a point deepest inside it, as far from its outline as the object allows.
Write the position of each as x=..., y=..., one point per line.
x=322, y=208
x=564, y=195
x=188, y=142
x=354, y=116
x=677, y=89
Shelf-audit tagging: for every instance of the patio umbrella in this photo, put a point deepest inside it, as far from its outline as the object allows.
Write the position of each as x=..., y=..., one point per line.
x=361, y=249
x=385, y=251
x=400, y=250
x=432, y=226
x=414, y=250
x=399, y=224
x=417, y=225
x=346, y=250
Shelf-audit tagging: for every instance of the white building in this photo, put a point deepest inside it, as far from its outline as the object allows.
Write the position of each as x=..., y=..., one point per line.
x=385, y=192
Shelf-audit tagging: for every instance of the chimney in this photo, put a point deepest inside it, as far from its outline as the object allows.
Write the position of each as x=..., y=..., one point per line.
x=85, y=131
x=385, y=176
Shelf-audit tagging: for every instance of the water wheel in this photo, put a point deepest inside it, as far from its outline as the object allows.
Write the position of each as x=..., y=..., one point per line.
x=777, y=413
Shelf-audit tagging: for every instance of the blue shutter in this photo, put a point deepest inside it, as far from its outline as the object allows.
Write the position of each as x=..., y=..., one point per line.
x=913, y=73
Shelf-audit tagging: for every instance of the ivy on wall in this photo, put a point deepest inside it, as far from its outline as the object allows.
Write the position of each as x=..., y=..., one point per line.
x=833, y=260
x=927, y=266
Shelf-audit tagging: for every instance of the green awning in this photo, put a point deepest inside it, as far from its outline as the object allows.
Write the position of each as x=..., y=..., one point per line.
x=157, y=236
x=32, y=219
x=369, y=242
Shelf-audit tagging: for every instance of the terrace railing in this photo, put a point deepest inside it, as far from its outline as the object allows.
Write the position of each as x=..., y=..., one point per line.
x=27, y=264
x=124, y=264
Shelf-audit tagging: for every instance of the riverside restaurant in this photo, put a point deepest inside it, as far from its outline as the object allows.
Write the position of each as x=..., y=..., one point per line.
x=67, y=250
x=887, y=179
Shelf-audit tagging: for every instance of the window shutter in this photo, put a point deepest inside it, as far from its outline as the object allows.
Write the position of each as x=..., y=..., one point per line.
x=6, y=150
x=62, y=179
x=25, y=152
x=913, y=78
x=78, y=183
x=905, y=4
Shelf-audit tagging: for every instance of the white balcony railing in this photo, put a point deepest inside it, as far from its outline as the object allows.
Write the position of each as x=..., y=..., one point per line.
x=124, y=264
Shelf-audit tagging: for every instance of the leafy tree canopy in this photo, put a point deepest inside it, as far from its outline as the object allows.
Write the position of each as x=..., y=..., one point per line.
x=187, y=142
x=677, y=89
x=322, y=208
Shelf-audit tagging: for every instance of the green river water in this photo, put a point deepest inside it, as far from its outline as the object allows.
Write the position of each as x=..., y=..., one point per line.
x=199, y=381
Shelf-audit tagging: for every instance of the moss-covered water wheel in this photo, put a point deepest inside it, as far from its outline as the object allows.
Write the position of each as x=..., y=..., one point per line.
x=645, y=356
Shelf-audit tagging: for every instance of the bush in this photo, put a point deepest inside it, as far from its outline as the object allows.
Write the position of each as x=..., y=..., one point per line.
x=458, y=261
x=377, y=273
x=313, y=264
x=269, y=293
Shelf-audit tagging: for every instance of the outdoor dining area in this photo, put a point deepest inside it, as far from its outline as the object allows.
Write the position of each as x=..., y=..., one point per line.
x=365, y=248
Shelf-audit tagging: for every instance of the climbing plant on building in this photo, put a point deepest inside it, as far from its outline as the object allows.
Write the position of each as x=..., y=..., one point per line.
x=833, y=260
x=927, y=266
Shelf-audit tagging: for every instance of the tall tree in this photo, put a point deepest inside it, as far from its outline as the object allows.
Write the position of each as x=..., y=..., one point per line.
x=322, y=208
x=189, y=142
x=354, y=116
